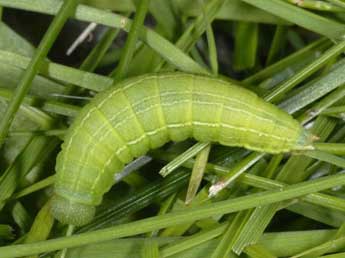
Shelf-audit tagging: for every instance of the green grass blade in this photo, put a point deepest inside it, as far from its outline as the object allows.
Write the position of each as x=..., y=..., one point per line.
x=326, y=157
x=6, y=232
x=334, y=148
x=60, y=72
x=258, y=251
x=249, y=234
x=338, y=111
x=303, y=18
x=48, y=181
x=281, y=244
x=167, y=20
x=150, y=249
x=96, y=55
x=317, y=5
x=223, y=248
x=197, y=173
x=167, y=50
x=91, y=62
x=278, y=243
x=192, y=34
x=193, y=214
x=40, y=229
x=277, y=44
x=246, y=44
x=278, y=92
x=233, y=10
x=13, y=42
x=318, y=214
x=196, y=239
x=37, y=150
x=194, y=31
x=21, y=217
x=212, y=49
x=322, y=104
x=271, y=169
x=131, y=203
x=284, y=63
x=235, y=172
x=293, y=242
x=64, y=13
x=46, y=105
x=327, y=247
x=339, y=3
x=69, y=232
x=178, y=161
x=129, y=48
x=179, y=230
x=164, y=208
x=269, y=184
x=321, y=87
x=261, y=217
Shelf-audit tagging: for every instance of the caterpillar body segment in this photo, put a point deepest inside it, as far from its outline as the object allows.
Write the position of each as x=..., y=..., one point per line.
x=145, y=112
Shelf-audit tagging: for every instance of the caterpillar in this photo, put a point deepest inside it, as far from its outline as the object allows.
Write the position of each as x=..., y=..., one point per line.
x=144, y=113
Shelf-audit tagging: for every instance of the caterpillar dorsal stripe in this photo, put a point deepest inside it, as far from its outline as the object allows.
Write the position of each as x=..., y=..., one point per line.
x=146, y=112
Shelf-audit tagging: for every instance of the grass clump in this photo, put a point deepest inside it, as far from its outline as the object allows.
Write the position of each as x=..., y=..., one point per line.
x=289, y=52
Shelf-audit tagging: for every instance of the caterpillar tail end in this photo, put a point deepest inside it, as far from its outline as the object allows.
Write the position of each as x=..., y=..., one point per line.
x=69, y=212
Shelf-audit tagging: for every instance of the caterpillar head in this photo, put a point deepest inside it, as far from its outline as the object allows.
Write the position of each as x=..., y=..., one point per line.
x=70, y=212
x=305, y=142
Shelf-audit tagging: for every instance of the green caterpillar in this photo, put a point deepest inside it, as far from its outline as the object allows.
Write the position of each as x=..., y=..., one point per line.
x=146, y=112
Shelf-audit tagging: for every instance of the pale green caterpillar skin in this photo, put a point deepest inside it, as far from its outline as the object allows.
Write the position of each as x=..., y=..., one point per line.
x=146, y=112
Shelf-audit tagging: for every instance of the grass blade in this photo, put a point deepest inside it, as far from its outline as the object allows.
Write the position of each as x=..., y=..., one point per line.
x=64, y=13
x=176, y=218
x=150, y=249
x=40, y=229
x=166, y=49
x=279, y=91
x=178, y=161
x=246, y=44
x=129, y=48
x=326, y=157
x=197, y=173
x=303, y=18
